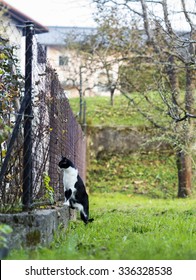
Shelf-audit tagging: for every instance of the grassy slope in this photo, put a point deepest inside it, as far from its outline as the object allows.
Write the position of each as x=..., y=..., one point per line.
x=148, y=174
x=99, y=111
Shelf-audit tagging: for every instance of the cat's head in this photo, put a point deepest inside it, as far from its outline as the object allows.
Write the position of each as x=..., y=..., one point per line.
x=65, y=163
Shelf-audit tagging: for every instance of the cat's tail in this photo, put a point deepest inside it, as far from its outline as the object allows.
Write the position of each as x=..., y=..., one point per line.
x=85, y=218
x=84, y=214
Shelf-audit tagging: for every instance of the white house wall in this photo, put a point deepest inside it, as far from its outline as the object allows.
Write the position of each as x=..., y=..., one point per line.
x=76, y=69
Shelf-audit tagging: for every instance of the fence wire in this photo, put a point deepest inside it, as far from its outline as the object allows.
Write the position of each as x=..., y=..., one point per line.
x=54, y=131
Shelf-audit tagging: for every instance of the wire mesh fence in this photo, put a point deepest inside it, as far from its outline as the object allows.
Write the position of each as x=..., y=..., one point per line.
x=37, y=125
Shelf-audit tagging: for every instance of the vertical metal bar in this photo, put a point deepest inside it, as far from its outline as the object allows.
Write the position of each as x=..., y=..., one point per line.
x=27, y=157
x=80, y=92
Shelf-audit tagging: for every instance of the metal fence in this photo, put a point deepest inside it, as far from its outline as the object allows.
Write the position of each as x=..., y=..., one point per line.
x=38, y=132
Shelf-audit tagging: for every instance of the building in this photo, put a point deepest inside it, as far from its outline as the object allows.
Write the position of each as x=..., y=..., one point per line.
x=78, y=72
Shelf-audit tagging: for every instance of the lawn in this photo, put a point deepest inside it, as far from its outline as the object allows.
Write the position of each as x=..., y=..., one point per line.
x=126, y=227
x=100, y=112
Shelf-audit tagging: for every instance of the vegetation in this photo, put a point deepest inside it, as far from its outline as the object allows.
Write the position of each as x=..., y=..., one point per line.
x=133, y=201
x=100, y=112
x=5, y=230
x=11, y=83
x=49, y=191
x=129, y=222
x=138, y=52
x=149, y=174
x=126, y=227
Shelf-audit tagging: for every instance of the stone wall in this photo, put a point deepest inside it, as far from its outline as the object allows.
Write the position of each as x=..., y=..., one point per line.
x=121, y=139
x=35, y=227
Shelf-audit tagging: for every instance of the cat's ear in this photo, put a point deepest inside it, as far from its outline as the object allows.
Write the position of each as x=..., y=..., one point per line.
x=64, y=159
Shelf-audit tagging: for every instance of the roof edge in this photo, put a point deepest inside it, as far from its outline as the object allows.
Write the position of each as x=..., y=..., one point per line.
x=21, y=17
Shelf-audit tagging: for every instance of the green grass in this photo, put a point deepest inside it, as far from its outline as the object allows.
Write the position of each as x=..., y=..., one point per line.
x=100, y=112
x=126, y=227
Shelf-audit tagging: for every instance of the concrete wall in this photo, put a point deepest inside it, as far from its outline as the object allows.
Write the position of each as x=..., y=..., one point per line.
x=35, y=227
x=121, y=139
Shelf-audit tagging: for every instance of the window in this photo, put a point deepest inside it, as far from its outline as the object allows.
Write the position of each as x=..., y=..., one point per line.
x=63, y=60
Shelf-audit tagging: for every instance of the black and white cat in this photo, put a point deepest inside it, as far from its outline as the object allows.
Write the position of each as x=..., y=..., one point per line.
x=76, y=196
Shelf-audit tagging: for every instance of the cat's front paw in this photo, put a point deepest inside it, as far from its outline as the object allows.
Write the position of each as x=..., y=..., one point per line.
x=66, y=203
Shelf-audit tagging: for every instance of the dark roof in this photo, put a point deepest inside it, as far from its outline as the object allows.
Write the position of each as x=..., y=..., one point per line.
x=57, y=35
x=20, y=18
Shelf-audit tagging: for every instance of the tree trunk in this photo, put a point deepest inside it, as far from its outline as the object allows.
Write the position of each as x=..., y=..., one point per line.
x=184, y=161
x=184, y=165
x=112, y=89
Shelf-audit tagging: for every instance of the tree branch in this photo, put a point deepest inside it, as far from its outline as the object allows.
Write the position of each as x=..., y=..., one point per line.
x=186, y=116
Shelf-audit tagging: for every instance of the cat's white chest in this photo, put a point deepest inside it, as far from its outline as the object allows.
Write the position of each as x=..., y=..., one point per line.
x=70, y=178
